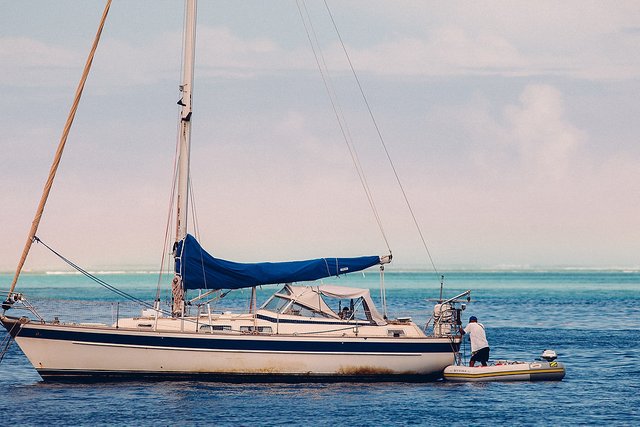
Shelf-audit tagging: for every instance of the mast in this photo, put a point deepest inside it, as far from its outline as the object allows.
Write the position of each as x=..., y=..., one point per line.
x=58, y=155
x=184, y=137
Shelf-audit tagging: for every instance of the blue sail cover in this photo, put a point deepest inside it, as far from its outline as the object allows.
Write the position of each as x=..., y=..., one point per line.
x=199, y=270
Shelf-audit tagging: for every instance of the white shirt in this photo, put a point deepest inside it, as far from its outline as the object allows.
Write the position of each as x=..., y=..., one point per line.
x=477, y=336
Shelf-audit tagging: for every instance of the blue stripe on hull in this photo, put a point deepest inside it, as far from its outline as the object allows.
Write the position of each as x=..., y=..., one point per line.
x=212, y=342
x=69, y=376
x=352, y=323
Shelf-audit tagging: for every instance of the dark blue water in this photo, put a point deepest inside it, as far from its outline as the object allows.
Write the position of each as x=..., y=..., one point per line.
x=591, y=319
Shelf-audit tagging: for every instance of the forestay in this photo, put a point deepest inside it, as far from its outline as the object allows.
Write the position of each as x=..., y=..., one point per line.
x=200, y=270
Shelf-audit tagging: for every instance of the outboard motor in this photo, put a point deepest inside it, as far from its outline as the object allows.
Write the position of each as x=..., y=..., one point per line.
x=443, y=319
x=549, y=355
x=447, y=315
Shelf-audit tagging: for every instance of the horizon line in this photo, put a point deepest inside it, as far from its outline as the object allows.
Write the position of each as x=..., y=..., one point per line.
x=401, y=269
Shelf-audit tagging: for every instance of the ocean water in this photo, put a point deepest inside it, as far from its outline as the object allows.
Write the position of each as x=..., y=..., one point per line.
x=590, y=318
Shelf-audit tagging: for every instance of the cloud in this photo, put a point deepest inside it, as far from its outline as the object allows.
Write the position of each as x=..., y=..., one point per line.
x=560, y=41
x=595, y=42
x=532, y=139
x=544, y=138
x=584, y=40
x=500, y=164
x=224, y=54
x=29, y=62
x=447, y=51
x=127, y=63
x=534, y=185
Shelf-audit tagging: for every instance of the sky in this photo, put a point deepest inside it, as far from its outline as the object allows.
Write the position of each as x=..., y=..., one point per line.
x=513, y=127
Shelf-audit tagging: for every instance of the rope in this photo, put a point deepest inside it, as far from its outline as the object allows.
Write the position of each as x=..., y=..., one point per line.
x=194, y=213
x=344, y=129
x=167, y=237
x=326, y=263
x=58, y=156
x=9, y=340
x=384, y=145
x=347, y=328
x=196, y=226
x=97, y=279
x=463, y=353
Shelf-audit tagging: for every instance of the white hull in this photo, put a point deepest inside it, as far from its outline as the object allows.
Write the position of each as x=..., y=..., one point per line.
x=296, y=334
x=510, y=371
x=77, y=352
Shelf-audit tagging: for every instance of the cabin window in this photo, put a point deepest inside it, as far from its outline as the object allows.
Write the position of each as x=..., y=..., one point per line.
x=261, y=329
x=299, y=310
x=354, y=310
x=212, y=328
x=145, y=325
x=396, y=333
x=285, y=291
x=275, y=304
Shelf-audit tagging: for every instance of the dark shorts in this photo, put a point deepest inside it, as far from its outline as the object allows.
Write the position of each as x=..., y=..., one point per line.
x=481, y=355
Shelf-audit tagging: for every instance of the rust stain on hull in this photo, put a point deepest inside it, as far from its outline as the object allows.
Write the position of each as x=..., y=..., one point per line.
x=365, y=370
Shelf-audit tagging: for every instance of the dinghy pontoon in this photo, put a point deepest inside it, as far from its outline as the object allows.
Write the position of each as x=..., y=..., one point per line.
x=547, y=369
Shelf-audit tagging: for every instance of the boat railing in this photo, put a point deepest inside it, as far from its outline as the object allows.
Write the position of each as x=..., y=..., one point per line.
x=69, y=311
x=18, y=301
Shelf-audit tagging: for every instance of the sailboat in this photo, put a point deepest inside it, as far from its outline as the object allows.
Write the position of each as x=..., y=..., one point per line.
x=295, y=335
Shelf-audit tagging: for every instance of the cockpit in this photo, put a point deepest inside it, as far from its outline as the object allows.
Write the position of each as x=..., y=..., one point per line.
x=351, y=304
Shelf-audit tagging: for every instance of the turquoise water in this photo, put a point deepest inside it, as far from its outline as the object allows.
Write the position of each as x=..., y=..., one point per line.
x=592, y=319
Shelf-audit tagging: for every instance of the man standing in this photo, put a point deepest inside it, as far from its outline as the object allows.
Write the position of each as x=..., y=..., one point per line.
x=479, y=344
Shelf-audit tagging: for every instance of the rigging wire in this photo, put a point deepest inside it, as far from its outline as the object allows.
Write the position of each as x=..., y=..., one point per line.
x=384, y=145
x=94, y=278
x=9, y=339
x=346, y=134
x=112, y=288
x=166, y=245
x=196, y=228
x=194, y=213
